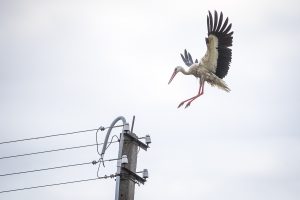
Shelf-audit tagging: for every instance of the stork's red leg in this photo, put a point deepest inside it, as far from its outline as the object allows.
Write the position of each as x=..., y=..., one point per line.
x=200, y=92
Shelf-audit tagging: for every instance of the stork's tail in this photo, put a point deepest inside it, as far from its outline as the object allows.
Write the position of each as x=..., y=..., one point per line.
x=216, y=81
x=224, y=86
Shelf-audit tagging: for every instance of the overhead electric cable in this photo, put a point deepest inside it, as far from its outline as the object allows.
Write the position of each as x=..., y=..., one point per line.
x=55, y=135
x=56, y=167
x=52, y=150
x=61, y=183
x=47, y=136
x=45, y=169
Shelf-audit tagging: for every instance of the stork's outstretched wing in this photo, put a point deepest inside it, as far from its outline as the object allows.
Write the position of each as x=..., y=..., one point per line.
x=187, y=58
x=220, y=30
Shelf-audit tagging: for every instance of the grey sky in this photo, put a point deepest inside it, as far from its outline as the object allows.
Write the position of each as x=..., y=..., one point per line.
x=74, y=65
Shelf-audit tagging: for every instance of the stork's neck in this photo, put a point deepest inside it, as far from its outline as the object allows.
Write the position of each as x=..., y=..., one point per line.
x=185, y=72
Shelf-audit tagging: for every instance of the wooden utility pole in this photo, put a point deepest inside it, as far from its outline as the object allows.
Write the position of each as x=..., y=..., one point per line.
x=127, y=158
x=127, y=180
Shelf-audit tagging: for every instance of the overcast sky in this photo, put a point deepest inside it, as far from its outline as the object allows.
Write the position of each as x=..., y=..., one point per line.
x=74, y=65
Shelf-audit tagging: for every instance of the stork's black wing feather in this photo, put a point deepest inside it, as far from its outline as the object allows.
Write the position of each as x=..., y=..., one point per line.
x=216, y=27
x=187, y=58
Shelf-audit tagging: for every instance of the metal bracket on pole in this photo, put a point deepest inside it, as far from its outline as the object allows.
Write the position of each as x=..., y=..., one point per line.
x=139, y=143
x=134, y=175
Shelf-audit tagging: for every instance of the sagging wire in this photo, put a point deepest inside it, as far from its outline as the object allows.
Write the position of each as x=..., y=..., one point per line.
x=101, y=160
x=111, y=141
x=101, y=128
x=99, y=165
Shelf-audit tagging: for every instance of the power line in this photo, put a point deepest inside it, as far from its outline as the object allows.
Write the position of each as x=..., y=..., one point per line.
x=47, y=136
x=52, y=150
x=47, y=151
x=56, y=167
x=56, y=184
x=55, y=135
x=45, y=169
x=55, y=150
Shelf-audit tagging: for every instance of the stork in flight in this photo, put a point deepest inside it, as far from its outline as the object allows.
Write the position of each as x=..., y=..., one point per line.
x=213, y=67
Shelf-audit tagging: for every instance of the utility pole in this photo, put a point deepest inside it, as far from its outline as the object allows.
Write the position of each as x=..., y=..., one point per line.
x=127, y=182
x=127, y=160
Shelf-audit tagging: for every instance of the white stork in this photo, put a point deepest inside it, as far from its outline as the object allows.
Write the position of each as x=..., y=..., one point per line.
x=214, y=66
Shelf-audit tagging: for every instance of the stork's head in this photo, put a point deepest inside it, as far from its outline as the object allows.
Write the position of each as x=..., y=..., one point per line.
x=176, y=70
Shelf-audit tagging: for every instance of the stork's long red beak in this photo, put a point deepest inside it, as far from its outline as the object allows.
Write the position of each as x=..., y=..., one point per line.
x=173, y=75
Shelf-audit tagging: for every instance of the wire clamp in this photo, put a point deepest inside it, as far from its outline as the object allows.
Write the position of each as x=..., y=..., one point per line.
x=94, y=162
